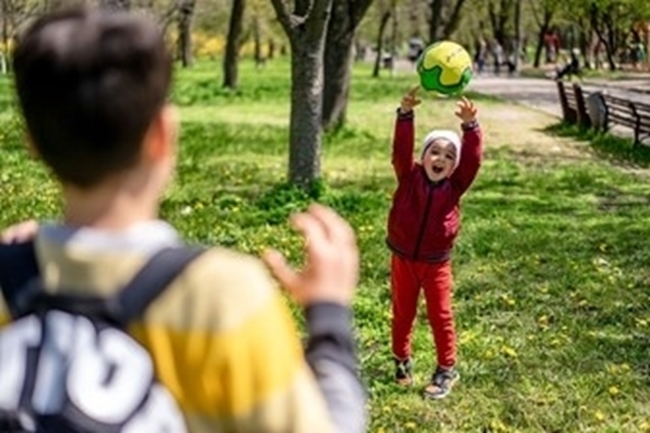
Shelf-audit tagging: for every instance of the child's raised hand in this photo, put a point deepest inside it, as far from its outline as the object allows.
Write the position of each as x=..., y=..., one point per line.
x=466, y=110
x=409, y=100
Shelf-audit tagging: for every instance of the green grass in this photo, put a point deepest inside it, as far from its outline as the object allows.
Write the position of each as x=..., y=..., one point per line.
x=619, y=150
x=551, y=299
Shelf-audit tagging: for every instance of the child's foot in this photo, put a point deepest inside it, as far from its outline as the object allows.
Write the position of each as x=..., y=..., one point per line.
x=441, y=383
x=404, y=372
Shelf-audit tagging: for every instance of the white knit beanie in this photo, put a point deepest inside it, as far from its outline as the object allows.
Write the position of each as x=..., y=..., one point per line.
x=450, y=136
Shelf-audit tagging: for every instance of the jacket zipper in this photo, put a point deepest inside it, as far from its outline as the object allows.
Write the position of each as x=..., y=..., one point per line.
x=416, y=253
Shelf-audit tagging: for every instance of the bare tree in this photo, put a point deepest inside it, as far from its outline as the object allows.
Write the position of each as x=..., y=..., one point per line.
x=305, y=27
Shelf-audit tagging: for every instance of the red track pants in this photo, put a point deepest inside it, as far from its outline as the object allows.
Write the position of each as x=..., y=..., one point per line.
x=407, y=278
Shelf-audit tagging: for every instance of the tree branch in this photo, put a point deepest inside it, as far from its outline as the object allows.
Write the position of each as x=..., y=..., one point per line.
x=284, y=16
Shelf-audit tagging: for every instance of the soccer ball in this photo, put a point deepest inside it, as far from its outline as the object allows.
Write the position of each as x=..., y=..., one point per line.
x=444, y=67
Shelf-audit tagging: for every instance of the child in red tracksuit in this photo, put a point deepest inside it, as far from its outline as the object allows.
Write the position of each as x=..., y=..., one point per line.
x=422, y=225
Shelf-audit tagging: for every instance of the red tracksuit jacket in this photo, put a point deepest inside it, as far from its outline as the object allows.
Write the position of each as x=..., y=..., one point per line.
x=424, y=218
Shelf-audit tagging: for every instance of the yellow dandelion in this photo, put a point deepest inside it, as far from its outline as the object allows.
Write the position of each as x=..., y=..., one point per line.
x=599, y=415
x=410, y=425
x=644, y=426
x=509, y=351
x=613, y=390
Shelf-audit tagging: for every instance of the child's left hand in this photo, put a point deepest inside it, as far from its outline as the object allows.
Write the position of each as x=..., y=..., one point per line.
x=466, y=111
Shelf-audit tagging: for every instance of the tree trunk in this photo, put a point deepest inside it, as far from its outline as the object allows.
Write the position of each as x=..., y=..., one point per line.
x=338, y=68
x=233, y=41
x=271, y=49
x=543, y=28
x=257, y=42
x=5, y=38
x=306, y=26
x=436, y=19
x=380, y=42
x=185, y=14
x=414, y=17
x=594, y=15
x=454, y=19
x=306, y=103
x=518, y=35
x=339, y=44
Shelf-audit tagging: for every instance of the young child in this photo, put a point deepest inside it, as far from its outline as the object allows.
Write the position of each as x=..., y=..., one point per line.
x=422, y=225
x=92, y=88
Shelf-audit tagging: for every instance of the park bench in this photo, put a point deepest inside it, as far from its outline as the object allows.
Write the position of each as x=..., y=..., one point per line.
x=630, y=114
x=572, y=101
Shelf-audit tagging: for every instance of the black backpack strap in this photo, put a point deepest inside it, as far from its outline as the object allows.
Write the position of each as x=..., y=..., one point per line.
x=150, y=282
x=18, y=266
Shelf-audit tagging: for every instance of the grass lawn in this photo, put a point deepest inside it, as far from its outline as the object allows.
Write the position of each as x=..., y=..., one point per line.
x=552, y=301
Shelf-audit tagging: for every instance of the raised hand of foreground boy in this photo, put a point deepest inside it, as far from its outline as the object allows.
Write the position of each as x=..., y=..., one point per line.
x=325, y=287
x=331, y=269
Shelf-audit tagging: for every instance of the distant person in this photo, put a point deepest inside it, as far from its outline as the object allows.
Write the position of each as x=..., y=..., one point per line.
x=416, y=46
x=497, y=56
x=422, y=226
x=572, y=68
x=480, y=55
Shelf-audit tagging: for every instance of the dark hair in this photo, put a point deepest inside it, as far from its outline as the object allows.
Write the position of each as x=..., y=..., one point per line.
x=89, y=83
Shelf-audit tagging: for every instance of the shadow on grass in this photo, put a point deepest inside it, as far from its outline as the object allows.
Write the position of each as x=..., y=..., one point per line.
x=617, y=150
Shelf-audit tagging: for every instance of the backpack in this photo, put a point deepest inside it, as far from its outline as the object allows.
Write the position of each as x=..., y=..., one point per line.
x=67, y=364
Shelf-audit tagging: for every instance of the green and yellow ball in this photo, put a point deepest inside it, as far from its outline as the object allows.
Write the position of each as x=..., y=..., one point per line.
x=444, y=67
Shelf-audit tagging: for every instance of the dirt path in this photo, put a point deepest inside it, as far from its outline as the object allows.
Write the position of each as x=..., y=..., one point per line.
x=522, y=130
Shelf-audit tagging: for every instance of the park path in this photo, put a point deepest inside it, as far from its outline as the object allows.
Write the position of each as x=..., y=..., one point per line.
x=541, y=94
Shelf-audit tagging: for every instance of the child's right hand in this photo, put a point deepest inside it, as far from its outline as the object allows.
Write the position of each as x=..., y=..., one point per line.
x=331, y=269
x=409, y=100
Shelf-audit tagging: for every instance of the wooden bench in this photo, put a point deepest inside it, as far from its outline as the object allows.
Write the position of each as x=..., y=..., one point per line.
x=572, y=101
x=630, y=114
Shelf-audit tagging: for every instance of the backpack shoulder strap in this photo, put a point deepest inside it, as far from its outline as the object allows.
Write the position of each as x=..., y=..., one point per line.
x=18, y=266
x=150, y=282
